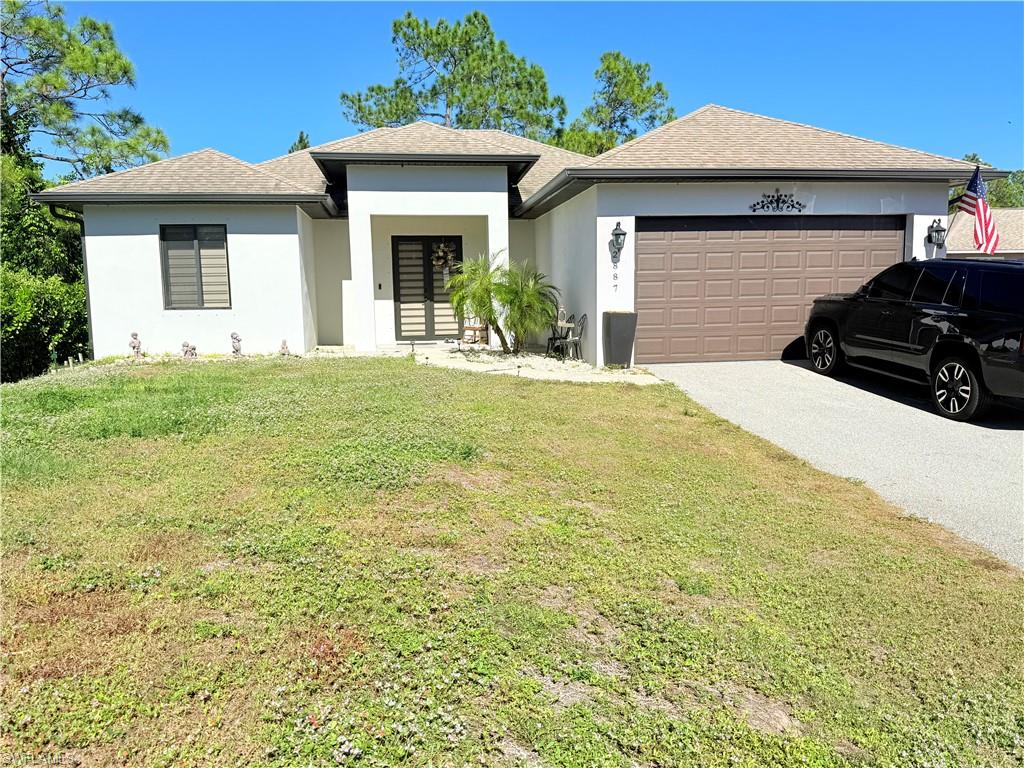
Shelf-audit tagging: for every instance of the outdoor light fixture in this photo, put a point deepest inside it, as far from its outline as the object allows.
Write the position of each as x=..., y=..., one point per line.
x=618, y=242
x=937, y=234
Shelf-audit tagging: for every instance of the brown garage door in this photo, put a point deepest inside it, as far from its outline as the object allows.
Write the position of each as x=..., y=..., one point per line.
x=740, y=287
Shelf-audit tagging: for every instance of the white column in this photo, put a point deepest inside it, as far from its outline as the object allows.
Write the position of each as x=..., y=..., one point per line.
x=615, y=292
x=363, y=333
x=497, y=246
x=916, y=247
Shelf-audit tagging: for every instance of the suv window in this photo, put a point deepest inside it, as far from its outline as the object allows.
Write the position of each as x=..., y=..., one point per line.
x=1001, y=291
x=894, y=283
x=934, y=284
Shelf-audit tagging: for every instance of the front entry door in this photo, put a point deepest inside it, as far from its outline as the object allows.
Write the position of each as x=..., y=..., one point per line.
x=421, y=266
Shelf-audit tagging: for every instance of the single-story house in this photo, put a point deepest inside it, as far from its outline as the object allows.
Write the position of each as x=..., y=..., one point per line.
x=734, y=222
x=1009, y=224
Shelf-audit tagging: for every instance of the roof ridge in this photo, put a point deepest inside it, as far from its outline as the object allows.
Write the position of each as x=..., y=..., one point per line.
x=841, y=133
x=307, y=150
x=644, y=136
x=136, y=167
x=261, y=171
x=465, y=132
x=534, y=141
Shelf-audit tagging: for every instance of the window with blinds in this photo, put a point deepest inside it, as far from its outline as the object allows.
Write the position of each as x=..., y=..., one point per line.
x=195, y=266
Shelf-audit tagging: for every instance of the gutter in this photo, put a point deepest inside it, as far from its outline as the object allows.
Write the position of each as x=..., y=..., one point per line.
x=586, y=177
x=165, y=197
x=85, y=268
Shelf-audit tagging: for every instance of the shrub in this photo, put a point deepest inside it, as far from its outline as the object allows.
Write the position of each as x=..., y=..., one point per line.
x=529, y=300
x=472, y=286
x=523, y=297
x=38, y=317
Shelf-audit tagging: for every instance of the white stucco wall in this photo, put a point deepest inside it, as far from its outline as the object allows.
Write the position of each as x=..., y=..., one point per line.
x=521, y=244
x=334, y=306
x=126, y=284
x=376, y=191
x=565, y=251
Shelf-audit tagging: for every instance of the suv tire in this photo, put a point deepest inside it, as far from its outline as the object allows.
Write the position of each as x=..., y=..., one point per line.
x=823, y=350
x=957, y=392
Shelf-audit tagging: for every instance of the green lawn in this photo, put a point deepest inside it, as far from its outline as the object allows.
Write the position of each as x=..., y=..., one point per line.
x=366, y=562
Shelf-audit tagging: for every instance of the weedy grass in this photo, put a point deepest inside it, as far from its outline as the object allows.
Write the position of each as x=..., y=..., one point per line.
x=366, y=562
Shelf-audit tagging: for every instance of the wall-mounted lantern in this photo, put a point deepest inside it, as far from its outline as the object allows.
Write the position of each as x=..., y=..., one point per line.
x=936, y=234
x=618, y=242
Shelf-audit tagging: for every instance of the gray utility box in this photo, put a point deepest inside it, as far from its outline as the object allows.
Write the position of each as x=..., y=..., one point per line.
x=619, y=334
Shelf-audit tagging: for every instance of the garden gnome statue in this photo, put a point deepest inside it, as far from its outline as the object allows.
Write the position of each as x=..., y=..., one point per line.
x=236, y=344
x=284, y=348
x=188, y=351
x=136, y=346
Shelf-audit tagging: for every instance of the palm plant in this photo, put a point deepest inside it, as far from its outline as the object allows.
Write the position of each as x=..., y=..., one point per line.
x=472, y=289
x=529, y=300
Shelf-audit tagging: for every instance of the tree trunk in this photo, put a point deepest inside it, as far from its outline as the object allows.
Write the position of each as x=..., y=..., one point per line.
x=501, y=337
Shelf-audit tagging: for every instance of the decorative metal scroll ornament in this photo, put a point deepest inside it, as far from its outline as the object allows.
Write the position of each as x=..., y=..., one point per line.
x=777, y=203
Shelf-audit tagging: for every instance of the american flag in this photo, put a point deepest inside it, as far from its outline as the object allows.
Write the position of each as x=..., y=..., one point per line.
x=986, y=237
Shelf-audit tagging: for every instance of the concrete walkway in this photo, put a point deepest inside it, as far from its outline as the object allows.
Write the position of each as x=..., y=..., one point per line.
x=966, y=477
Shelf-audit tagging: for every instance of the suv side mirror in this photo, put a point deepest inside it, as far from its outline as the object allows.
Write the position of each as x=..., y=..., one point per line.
x=863, y=290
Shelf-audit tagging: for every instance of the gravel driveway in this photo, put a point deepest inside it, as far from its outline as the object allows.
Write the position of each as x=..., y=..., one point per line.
x=967, y=477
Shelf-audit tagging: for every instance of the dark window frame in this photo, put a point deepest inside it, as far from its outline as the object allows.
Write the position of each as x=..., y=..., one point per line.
x=164, y=269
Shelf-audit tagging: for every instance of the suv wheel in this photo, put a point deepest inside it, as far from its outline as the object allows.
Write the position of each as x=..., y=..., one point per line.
x=824, y=352
x=957, y=391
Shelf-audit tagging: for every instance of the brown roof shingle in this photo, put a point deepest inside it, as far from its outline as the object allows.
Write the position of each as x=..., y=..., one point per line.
x=715, y=137
x=1009, y=224
x=203, y=172
x=428, y=138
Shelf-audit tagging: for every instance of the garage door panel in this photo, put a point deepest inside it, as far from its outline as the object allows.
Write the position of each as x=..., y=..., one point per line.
x=753, y=260
x=734, y=288
x=685, y=289
x=684, y=261
x=718, y=261
x=817, y=286
x=746, y=345
x=746, y=316
x=718, y=289
x=821, y=259
x=754, y=288
x=685, y=316
x=785, y=260
x=718, y=316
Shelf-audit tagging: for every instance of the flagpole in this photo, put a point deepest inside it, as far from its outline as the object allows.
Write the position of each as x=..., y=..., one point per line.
x=956, y=210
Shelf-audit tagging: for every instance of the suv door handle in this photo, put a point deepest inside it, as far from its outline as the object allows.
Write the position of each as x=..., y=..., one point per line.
x=886, y=312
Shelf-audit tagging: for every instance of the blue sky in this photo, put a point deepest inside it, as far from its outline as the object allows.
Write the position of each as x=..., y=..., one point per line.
x=246, y=77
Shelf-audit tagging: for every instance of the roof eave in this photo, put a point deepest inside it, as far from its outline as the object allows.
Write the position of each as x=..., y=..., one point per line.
x=518, y=164
x=585, y=177
x=71, y=199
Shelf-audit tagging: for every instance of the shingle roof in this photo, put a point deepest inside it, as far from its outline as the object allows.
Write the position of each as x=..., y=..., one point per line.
x=715, y=137
x=710, y=138
x=1009, y=223
x=429, y=138
x=203, y=172
x=552, y=159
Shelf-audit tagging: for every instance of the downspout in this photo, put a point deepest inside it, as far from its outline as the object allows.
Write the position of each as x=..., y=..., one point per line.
x=85, y=268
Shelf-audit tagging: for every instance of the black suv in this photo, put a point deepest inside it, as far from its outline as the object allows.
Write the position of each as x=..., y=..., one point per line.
x=955, y=324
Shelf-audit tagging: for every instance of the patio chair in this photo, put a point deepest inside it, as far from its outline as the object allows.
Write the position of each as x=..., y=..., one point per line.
x=558, y=334
x=572, y=342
